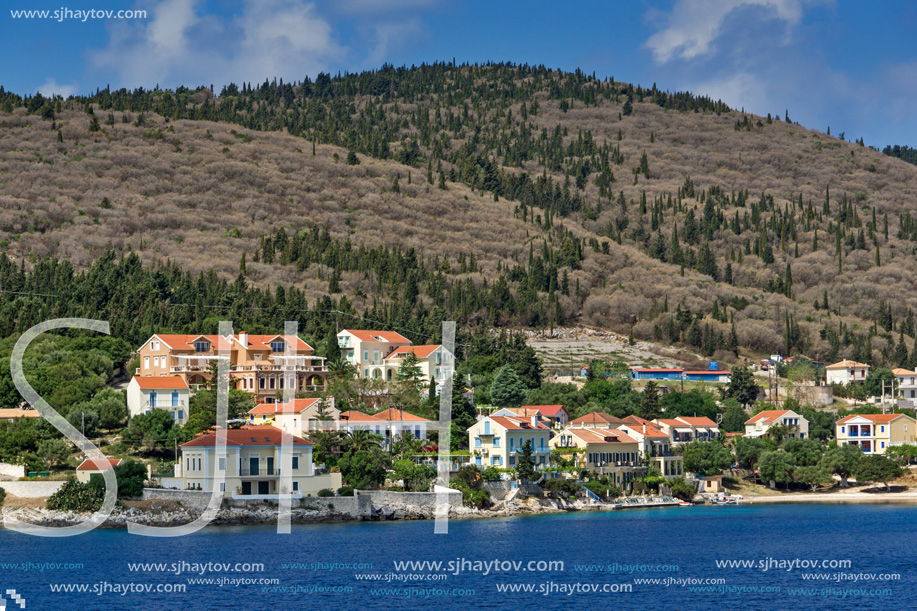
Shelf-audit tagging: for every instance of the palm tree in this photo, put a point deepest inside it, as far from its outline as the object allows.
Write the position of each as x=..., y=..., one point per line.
x=361, y=439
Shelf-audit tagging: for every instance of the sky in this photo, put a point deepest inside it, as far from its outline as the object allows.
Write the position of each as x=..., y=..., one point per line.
x=847, y=65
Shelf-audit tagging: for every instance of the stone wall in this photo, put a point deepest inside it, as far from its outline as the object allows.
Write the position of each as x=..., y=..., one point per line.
x=499, y=489
x=420, y=500
x=12, y=470
x=196, y=499
x=31, y=490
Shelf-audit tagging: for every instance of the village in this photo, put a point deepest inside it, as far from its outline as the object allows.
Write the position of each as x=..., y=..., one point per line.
x=713, y=442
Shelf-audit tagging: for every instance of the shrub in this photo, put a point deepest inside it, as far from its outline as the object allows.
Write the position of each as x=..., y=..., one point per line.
x=561, y=486
x=491, y=474
x=606, y=491
x=76, y=496
x=345, y=491
x=2, y=496
x=326, y=492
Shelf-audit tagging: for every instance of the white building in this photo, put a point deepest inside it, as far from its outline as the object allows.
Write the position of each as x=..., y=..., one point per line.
x=297, y=417
x=907, y=386
x=170, y=393
x=846, y=372
x=759, y=424
x=379, y=354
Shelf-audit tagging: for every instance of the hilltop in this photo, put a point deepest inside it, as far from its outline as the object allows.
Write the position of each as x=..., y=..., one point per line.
x=497, y=194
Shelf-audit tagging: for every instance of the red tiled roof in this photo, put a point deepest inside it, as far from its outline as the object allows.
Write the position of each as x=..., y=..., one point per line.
x=597, y=417
x=393, y=414
x=591, y=435
x=92, y=465
x=646, y=430
x=517, y=424
x=898, y=371
x=248, y=436
x=378, y=336
x=420, y=352
x=768, y=415
x=19, y=413
x=873, y=417
x=635, y=419
x=299, y=406
x=546, y=410
x=697, y=421
x=355, y=416
x=845, y=363
x=161, y=382
x=670, y=422
x=255, y=342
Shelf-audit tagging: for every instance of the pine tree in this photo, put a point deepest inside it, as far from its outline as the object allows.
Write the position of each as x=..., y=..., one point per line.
x=242, y=264
x=649, y=403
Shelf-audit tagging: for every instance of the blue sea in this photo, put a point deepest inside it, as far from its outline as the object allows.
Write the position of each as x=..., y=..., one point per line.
x=789, y=557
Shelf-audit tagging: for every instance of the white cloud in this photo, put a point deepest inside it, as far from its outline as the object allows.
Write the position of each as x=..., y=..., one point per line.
x=741, y=90
x=52, y=87
x=387, y=36
x=365, y=7
x=693, y=25
x=180, y=45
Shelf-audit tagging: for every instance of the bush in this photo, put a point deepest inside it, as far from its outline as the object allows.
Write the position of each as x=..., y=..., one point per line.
x=2, y=496
x=76, y=496
x=491, y=474
x=326, y=492
x=606, y=491
x=131, y=475
x=561, y=486
x=345, y=491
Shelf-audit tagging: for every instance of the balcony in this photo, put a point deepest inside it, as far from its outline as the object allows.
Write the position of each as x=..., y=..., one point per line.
x=261, y=473
x=266, y=497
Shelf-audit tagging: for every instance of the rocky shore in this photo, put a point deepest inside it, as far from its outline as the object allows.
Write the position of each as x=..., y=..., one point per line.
x=266, y=514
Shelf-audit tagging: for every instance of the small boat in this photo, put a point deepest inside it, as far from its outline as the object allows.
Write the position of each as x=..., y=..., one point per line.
x=729, y=501
x=682, y=503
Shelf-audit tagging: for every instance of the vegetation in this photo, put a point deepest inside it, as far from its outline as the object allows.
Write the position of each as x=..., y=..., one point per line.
x=76, y=496
x=469, y=482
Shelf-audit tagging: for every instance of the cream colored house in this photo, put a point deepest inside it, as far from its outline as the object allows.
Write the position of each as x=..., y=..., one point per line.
x=654, y=447
x=906, y=382
x=846, y=372
x=251, y=463
x=759, y=424
x=875, y=433
x=608, y=452
x=297, y=417
x=88, y=468
x=259, y=364
x=496, y=441
x=170, y=393
x=685, y=429
x=379, y=354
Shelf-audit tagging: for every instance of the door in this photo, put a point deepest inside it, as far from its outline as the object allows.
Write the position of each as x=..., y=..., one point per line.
x=246, y=487
x=270, y=465
x=253, y=464
x=264, y=487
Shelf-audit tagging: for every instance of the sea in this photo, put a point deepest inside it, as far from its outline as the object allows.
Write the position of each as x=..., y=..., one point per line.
x=705, y=557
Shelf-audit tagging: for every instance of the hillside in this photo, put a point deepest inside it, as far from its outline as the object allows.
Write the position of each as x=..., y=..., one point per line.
x=566, y=199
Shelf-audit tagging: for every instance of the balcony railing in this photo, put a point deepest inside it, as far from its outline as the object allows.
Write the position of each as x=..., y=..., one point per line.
x=259, y=472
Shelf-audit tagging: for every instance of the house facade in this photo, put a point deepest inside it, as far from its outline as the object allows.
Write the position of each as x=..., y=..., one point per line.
x=170, y=393
x=259, y=364
x=655, y=448
x=846, y=372
x=759, y=424
x=496, y=441
x=685, y=429
x=88, y=468
x=389, y=424
x=379, y=354
x=875, y=433
x=711, y=375
x=906, y=381
x=251, y=464
x=608, y=452
x=297, y=417
x=651, y=373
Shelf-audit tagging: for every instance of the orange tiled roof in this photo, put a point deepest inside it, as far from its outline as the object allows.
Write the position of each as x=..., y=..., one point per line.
x=378, y=336
x=299, y=406
x=420, y=352
x=254, y=342
x=601, y=435
x=355, y=416
x=393, y=414
x=161, y=382
x=517, y=424
x=768, y=415
x=248, y=436
x=845, y=363
x=873, y=417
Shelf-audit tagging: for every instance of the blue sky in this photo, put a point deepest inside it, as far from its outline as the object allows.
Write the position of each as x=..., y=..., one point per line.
x=848, y=65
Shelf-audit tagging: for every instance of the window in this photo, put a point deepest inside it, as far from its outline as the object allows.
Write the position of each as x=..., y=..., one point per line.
x=174, y=398
x=438, y=373
x=198, y=464
x=187, y=464
x=272, y=383
x=882, y=428
x=152, y=399
x=477, y=461
x=366, y=355
x=156, y=361
x=181, y=414
x=278, y=346
x=261, y=383
x=376, y=357
x=201, y=346
x=155, y=346
x=366, y=373
x=295, y=461
x=221, y=463
x=477, y=442
x=417, y=431
x=295, y=486
x=842, y=429
x=496, y=442
x=146, y=362
x=510, y=444
x=487, y=427
x=222, y=486
x=883, y=444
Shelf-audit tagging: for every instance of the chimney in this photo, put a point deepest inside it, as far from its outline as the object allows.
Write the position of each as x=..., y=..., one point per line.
x=243, y=339
x=534, y=422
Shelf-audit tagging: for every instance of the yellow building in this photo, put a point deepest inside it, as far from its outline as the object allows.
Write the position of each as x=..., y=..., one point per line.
x=875, y=433
x=608, y=452
x=496, y=441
